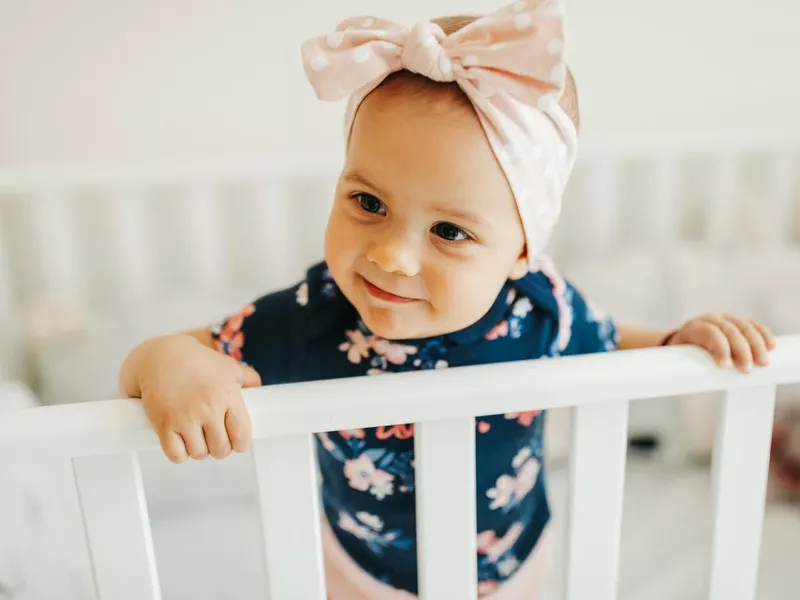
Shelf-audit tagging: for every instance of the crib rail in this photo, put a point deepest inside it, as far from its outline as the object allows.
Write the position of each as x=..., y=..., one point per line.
x=104, y=437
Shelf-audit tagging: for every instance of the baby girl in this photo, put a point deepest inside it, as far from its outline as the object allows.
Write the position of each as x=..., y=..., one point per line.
x=461, y=135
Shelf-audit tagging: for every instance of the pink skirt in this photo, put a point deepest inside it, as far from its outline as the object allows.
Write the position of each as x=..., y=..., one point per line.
x=347, y=581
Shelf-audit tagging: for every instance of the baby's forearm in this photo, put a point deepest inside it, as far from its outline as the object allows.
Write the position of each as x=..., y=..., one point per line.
x=633, y=337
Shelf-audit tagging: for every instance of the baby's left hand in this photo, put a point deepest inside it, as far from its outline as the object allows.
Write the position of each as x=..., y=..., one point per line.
x=730, y=340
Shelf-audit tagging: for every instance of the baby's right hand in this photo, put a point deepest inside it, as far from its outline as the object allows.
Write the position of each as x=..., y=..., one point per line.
x=192, y=396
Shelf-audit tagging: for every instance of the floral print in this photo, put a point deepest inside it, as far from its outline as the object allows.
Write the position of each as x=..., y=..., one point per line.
x=510, y=490
x=362, y=475
x=302, y=294
x=229, y=338
x=369, y=528
x=524, y=418
x=310, y=332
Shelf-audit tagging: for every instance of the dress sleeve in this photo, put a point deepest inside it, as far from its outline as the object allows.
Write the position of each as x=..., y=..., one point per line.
x=592, y=329
x=262, y=336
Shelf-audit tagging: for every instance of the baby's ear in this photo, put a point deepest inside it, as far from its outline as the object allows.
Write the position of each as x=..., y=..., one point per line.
x=520, y=267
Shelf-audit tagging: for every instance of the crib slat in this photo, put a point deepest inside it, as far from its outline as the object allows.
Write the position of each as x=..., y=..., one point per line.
x=117, y=527
x=601, y=228
x=132, y=243
x=724, y=202
x=741, y=459
x=54, y=226
x=597, y=481
x=446, y=523
x=290, y=517
x=273, y=217
x=205, y=247
x=664, y=208
x=779, y=200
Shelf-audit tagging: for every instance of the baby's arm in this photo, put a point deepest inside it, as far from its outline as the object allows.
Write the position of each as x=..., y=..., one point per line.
x=191, y=394
x=730, y=340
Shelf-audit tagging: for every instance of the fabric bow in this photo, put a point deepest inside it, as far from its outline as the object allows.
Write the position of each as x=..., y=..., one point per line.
x=510, y=64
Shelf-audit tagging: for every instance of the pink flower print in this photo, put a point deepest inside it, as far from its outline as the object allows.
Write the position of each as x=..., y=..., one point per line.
x=358, y=529
x=397, y=354
x=512, y=295
x=357, y=348
x=359, y=472
x=521, y=457
x=381, y=484
x=441, y=364
x=231, y=339
x=526, y=478
x=302, y=294
x=498, y=331
x=376, y=372
x=486, y=587
x=371, y=521
x=524, y=418
x=362, y=476
x=502, y=493
x=352, y=433
x=494, y=547
x=484, y=427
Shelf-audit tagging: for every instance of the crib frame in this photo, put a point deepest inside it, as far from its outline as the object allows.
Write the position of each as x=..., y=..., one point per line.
x=103, y=439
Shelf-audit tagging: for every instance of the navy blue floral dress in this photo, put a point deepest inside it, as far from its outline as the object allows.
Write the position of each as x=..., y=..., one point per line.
x=311, y=332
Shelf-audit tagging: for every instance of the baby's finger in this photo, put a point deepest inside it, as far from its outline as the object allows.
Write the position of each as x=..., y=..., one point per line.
x=740, y=348
x=767, y=334
x=758, y=345
x=195, y=442
x=710, y=337
x=239, y=427
x=219, y=446
x=173, y=447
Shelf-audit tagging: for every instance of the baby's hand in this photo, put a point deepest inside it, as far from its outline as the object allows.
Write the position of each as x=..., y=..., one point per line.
x=192, y=397
x=730, y=340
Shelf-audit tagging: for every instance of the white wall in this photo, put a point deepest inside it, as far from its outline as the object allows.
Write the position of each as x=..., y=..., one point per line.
x=104, y=81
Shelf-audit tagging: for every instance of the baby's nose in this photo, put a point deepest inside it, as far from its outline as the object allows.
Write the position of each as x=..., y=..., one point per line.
x=395, y=256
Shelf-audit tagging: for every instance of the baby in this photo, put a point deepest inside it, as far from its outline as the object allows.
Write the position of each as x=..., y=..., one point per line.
x=461, y=135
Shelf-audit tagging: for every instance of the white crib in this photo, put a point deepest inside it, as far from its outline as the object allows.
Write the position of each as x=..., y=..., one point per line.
x=91, y=261
x=103, y=439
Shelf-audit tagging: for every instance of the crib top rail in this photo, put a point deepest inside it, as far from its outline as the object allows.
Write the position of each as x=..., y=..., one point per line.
x=120, y=425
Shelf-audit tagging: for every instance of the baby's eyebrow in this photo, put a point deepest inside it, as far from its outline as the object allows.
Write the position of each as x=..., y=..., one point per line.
x=462, y=215
x=355, y=178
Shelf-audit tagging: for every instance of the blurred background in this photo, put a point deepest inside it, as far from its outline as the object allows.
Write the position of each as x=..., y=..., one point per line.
x=164, y=162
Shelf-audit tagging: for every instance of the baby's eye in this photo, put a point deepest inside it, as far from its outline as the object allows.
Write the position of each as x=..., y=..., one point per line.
x=370, y=204
x=450, y=232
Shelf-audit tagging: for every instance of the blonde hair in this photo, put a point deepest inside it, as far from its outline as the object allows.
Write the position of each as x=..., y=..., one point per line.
x=407, y=82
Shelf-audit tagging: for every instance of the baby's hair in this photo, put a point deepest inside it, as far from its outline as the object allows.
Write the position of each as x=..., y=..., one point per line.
x=407, y=82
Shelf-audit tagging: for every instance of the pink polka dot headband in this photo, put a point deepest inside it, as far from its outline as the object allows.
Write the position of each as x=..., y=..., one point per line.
x=510, y=64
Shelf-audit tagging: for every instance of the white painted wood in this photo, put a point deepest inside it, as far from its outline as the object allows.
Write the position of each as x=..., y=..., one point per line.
x=290, y=516
x=119, y=425
x=782, y=181
x=53, y=214
x=723, y=208
x=741, y=460
x=275, y=216
x=132, y=243
x=444, y=459
x=204, y=236
x=117, y=527
x=665, y=205
x=597, y=481
x=602, y=214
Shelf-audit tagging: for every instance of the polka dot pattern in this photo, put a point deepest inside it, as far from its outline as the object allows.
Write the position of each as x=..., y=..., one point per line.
x=533, y=140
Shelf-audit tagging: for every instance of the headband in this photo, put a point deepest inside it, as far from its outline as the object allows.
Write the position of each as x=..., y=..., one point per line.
x=510, y=64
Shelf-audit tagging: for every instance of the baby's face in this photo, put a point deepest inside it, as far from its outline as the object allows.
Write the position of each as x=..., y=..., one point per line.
x=424, y=230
